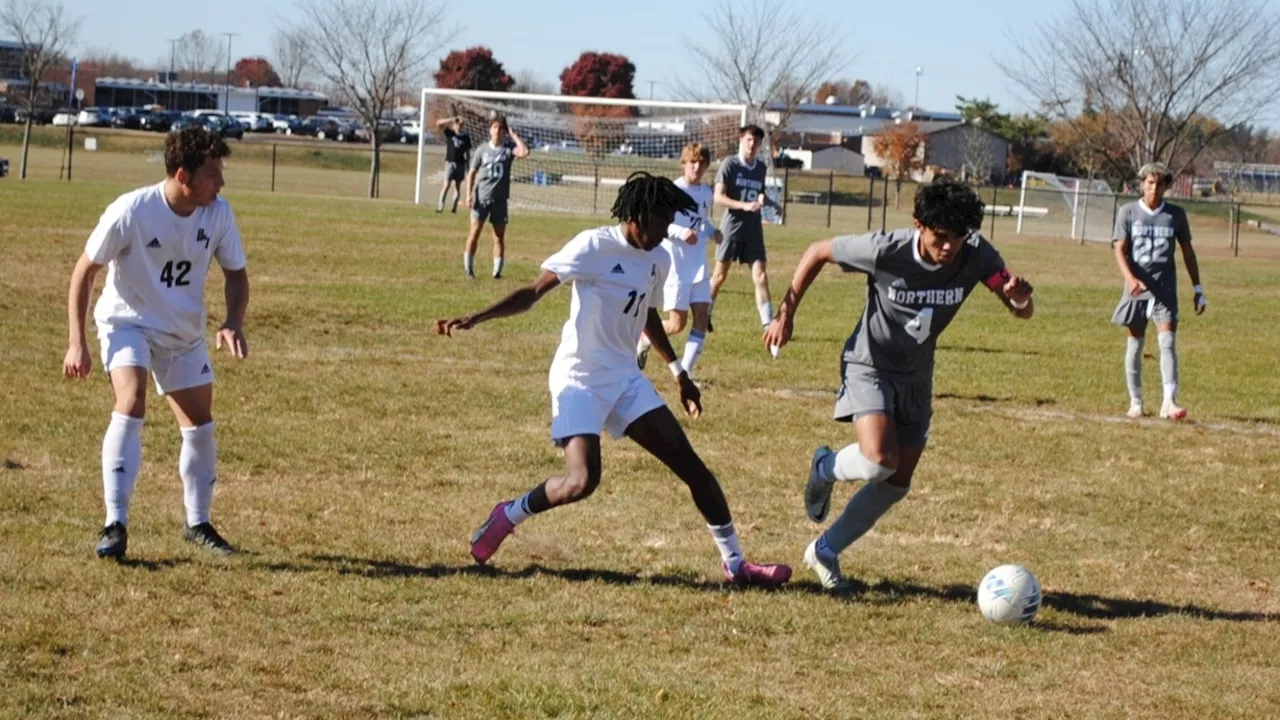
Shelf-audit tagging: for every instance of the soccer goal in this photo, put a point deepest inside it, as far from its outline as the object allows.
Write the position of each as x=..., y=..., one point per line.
x=1058, y=206
x=581, y=149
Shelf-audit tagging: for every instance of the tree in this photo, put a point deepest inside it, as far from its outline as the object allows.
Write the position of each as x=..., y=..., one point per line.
x=901, y=150
x=603, y=75
x=758, y=52
x=378, y=48
x=255, y=72
x=857, y=92
x=473, y=69
x=112, y=64
x=290, y=56
x=45, y=31
x=198, y=56
x=1149, y=75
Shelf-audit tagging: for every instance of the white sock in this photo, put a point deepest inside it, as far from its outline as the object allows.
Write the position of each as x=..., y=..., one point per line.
x=497, y=266
x=469, y=263
x=518, y=510
x=727, y=543
x=766, y=313
x=1169, y=365
x=1133, y=369
x=121, y=460
x=849, y=465
x=693, y=350
x=860, y=515
x=198, y=466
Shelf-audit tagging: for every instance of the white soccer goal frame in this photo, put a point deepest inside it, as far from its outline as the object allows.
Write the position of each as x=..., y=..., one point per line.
x=428, y=93
x=1060, y=183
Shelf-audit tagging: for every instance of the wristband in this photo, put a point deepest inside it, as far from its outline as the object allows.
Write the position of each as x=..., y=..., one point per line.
x=1199, y=290
x=676, y=368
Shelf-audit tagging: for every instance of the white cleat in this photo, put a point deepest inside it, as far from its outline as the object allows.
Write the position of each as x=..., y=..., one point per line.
x=828, y=571
x=1135, y=410
x=1170, y=411
x=817, y=492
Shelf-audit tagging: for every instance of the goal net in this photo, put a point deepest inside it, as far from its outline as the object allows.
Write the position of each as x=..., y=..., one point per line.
x=581, y=149
x=1061, y=206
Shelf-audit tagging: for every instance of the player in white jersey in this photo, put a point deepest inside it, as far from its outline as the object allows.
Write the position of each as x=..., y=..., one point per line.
x=157, y=243
x=688, y=285
x=595, y=384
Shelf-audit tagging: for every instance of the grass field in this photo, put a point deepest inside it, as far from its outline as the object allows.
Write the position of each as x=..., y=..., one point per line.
x=358, y=451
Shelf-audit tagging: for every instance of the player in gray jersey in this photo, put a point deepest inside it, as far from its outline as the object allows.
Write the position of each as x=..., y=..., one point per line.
x=740, y=190
x=917, y=278
x=488, y=189
x=1144, y=235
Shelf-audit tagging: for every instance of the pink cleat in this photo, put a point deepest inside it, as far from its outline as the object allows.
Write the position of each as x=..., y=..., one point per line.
x=1171, y=411
x=758, y=575
x=489, y=536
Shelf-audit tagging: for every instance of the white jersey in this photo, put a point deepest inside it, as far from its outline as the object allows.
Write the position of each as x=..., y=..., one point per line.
x=689, y=262
x=157, y=262
x=614, y=283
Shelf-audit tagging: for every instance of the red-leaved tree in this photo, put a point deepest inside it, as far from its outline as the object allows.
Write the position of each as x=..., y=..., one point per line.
x=600, y=128
x=901, y=149
x=256, y=72
x=473, y=69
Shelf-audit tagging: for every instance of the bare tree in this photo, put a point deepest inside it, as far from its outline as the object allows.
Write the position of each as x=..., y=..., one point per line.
x=1137, y=84
x=765, y=51
x=45, y=31
x=290, y=56
x=978, y=153
x=379, y=48
x=199, y=56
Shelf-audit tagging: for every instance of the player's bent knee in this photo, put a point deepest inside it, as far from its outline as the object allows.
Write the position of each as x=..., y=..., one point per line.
x=872, y=466
x=580, y=483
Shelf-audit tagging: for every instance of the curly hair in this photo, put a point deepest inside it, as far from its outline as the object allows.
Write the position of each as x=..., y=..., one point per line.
x=644, y=195
x=191, y=147
x=949, y=205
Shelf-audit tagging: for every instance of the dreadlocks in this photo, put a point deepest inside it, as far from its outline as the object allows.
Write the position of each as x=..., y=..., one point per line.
x=644, y=195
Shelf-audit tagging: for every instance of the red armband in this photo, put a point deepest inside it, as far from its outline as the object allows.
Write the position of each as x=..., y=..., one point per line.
x=997, y=280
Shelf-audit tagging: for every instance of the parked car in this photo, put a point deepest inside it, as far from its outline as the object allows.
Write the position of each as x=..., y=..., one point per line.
x=410, y=130
x=253, y=122
x=224, y=125
x=127, y=119
x=786, y=161
x=65, y=117
x=157, y=120
x=284, y=124
x=93, y=117
x=321, y=128
x=9, y=114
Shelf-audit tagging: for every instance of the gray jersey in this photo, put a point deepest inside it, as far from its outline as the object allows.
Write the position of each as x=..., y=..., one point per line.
x=744, y=183
x=909, y=301
x=493, y=172
x=1150, y=235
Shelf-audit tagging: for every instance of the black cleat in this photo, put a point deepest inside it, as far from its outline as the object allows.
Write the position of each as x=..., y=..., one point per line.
x=113, y=541
x=497, y=276
x=206, y=537
x=471, y=276
x=710, y=327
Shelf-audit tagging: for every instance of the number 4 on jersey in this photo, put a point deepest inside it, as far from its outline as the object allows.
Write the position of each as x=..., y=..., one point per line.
x=169, y=279
x=920, y=325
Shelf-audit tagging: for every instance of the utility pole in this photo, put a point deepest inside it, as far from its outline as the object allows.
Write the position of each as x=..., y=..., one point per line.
x=651, y=84
x=226, y=108
x=173, y=51
x=916, y=106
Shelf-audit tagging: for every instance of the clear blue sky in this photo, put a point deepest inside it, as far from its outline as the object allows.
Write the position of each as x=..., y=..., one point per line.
x=954, y=42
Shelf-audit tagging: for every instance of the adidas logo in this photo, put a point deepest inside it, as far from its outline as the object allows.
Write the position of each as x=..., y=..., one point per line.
x=155, y=243
x=617, y=270
x=118, y=469
x=205, y=370
x=653, y=271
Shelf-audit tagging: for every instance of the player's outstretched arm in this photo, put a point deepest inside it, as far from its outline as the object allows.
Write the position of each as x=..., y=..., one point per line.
x=521, y=150
x=779, y=331
x=442, y=122
x=78, y=361
x=232, y=331
x=690, y=396
x=514, y=304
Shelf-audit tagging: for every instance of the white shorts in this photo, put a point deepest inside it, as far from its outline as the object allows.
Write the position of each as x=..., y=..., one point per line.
x=580, y=409
x=124, y=346
x=678, y=295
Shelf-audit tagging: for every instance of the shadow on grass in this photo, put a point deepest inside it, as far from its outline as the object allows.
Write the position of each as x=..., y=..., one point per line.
x=986, y=350
x=884, y=592
x=152, y=565
x=983, y=398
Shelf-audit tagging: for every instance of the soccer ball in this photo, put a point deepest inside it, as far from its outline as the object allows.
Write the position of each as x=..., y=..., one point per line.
x=1009, y=595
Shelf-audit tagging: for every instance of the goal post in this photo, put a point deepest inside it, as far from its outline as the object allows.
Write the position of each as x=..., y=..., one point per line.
x=1062, y=206
x=580, y=148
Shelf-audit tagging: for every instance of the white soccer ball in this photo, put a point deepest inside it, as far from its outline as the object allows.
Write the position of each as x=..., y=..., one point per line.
x=1009, y=595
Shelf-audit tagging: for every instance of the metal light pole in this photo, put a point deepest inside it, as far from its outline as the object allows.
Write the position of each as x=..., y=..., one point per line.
x=173, y=49
x=227, y=102
x=651, y=84
x=916, y=105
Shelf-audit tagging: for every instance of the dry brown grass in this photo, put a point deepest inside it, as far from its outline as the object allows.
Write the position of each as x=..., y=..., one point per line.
x=358, y=452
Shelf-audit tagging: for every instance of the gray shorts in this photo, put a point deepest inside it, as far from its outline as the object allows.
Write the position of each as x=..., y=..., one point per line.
x=455, y=172
x=1134, y=312
x=746, y=248
x=494, y=212
x=865, y=390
